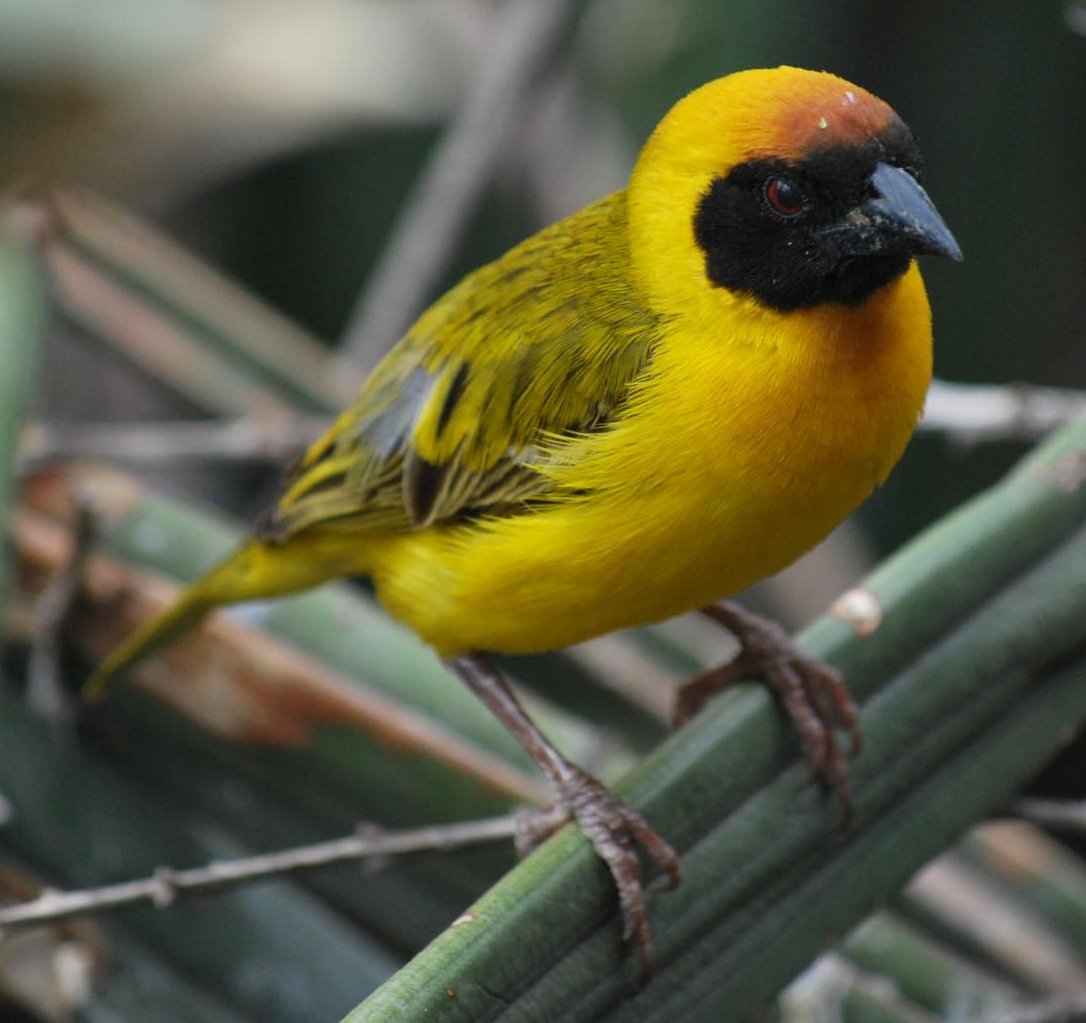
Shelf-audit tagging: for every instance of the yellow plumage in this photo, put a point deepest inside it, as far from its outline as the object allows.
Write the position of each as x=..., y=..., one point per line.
x=587, y=434
x=640, y=410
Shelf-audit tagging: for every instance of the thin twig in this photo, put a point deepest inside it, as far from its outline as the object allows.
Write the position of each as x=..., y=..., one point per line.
x=1066, y=814
x=167, y=884
x=452, y=183
x=274, y=440
x=970, y=413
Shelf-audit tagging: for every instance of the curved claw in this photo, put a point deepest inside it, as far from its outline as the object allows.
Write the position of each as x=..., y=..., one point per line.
x=696, y=692
x=812, y=693
x=616, y=831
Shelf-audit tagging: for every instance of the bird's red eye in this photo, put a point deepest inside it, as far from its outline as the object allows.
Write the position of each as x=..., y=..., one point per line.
x=784, y=196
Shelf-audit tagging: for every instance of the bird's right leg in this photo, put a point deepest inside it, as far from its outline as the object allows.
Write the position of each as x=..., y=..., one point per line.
x=812, y=693
x=614, y=829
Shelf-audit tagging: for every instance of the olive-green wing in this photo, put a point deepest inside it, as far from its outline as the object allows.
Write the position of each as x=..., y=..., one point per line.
x=540, y=345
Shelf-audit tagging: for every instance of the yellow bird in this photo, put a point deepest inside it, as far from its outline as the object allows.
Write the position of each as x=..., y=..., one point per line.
x=640, y=410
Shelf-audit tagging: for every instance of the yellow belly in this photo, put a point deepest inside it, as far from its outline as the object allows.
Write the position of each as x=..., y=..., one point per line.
x=737, y=456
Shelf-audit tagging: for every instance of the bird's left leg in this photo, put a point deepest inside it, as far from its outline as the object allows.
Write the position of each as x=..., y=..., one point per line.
x=614, y=829
x=812, y=693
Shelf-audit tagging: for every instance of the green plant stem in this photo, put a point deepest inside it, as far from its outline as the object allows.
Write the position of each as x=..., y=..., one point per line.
x=929, y=975
x=22, y=322
x=68, y=801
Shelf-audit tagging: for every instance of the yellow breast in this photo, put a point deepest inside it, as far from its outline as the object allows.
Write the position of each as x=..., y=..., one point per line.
x=736, y=455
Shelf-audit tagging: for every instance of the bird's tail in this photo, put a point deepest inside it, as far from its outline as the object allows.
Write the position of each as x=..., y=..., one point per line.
x=253, y=571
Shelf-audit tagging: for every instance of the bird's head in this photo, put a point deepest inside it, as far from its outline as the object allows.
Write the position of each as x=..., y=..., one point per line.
x=781, y=189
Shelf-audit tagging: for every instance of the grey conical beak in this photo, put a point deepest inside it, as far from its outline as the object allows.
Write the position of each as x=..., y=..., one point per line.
x=899, y=220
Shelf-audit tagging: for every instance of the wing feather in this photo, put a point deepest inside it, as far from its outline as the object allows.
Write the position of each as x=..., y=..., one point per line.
x=541, y=344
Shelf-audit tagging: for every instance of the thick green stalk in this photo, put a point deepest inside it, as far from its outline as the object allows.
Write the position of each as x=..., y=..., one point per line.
x=929, y=975
x=768, y=876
